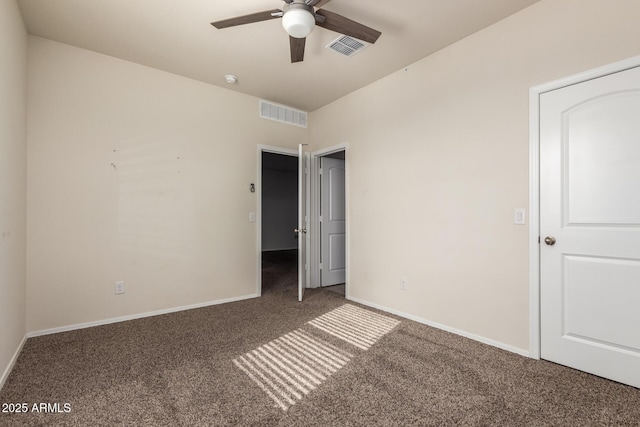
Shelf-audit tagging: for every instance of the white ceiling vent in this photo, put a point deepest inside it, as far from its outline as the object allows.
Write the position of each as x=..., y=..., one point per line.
x=283, y=114
x=347, y=46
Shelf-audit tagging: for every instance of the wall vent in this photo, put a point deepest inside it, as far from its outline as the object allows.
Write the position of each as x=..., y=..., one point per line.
x=283, y=114
x=347, y=46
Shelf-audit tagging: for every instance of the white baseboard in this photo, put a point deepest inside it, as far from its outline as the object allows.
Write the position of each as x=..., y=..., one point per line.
x=465, y=334
x=12, y=362
x=136, y=316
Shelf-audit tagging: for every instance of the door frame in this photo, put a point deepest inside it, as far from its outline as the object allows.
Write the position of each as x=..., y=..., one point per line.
x=534, y=185
x=315, y=213
x=264, y=149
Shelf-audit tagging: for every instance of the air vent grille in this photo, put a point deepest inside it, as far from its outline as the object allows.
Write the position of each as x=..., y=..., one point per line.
x=282, y=114
x=347, y=46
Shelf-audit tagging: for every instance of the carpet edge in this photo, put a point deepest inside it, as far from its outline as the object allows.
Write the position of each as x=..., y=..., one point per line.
x=136, y=316
x=479, y=338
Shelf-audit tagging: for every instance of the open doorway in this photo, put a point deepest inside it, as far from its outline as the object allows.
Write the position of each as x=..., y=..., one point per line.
x=278, y=234
x=278, y=219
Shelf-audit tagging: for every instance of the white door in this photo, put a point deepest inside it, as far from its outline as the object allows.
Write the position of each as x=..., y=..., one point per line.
x=332, y=222
x=303, y=168
x=590, y=206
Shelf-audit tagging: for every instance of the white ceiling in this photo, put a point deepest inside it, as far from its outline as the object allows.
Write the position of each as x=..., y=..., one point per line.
x=176, y=36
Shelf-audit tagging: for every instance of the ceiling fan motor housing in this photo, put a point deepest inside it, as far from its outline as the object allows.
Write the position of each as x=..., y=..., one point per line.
x=298, y=19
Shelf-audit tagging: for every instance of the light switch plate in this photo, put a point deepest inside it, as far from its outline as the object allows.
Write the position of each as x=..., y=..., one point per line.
x=119, y=288
x=519, y=216
x=252, y=217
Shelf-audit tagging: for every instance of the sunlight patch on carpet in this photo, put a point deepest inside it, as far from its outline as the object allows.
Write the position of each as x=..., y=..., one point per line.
x=357, y=326
x=291, y=366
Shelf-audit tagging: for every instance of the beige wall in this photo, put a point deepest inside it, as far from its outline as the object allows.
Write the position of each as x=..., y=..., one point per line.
x=136, y=175
x=438, y=160
x=13, y=171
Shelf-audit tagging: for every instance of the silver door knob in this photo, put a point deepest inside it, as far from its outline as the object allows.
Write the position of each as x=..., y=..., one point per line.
x=550, y=240
x=301, y=230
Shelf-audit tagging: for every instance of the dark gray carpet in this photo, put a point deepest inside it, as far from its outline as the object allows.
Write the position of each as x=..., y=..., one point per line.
x=177, y=370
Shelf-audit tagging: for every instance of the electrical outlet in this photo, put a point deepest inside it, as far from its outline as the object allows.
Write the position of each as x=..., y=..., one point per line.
x=119, y=288
x=403, y=284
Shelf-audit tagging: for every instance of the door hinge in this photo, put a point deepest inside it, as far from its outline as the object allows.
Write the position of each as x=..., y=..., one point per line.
x=320, y=171
x=320, y=266
x=320, y=217
x=538, y=239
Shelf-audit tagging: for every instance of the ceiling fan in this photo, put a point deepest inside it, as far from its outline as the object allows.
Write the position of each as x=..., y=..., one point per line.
x=299, y=17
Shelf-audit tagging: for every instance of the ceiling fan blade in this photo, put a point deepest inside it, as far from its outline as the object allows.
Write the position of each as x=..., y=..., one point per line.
x=248, y=19
x=340, y=24
x=297, y=49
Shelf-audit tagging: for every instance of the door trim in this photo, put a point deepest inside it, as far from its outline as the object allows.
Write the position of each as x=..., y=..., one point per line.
x=534, y=185
x=264, y=149
x=315, y=213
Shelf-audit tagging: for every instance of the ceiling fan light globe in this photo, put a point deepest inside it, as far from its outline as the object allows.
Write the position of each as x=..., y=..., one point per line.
x=298, y=23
